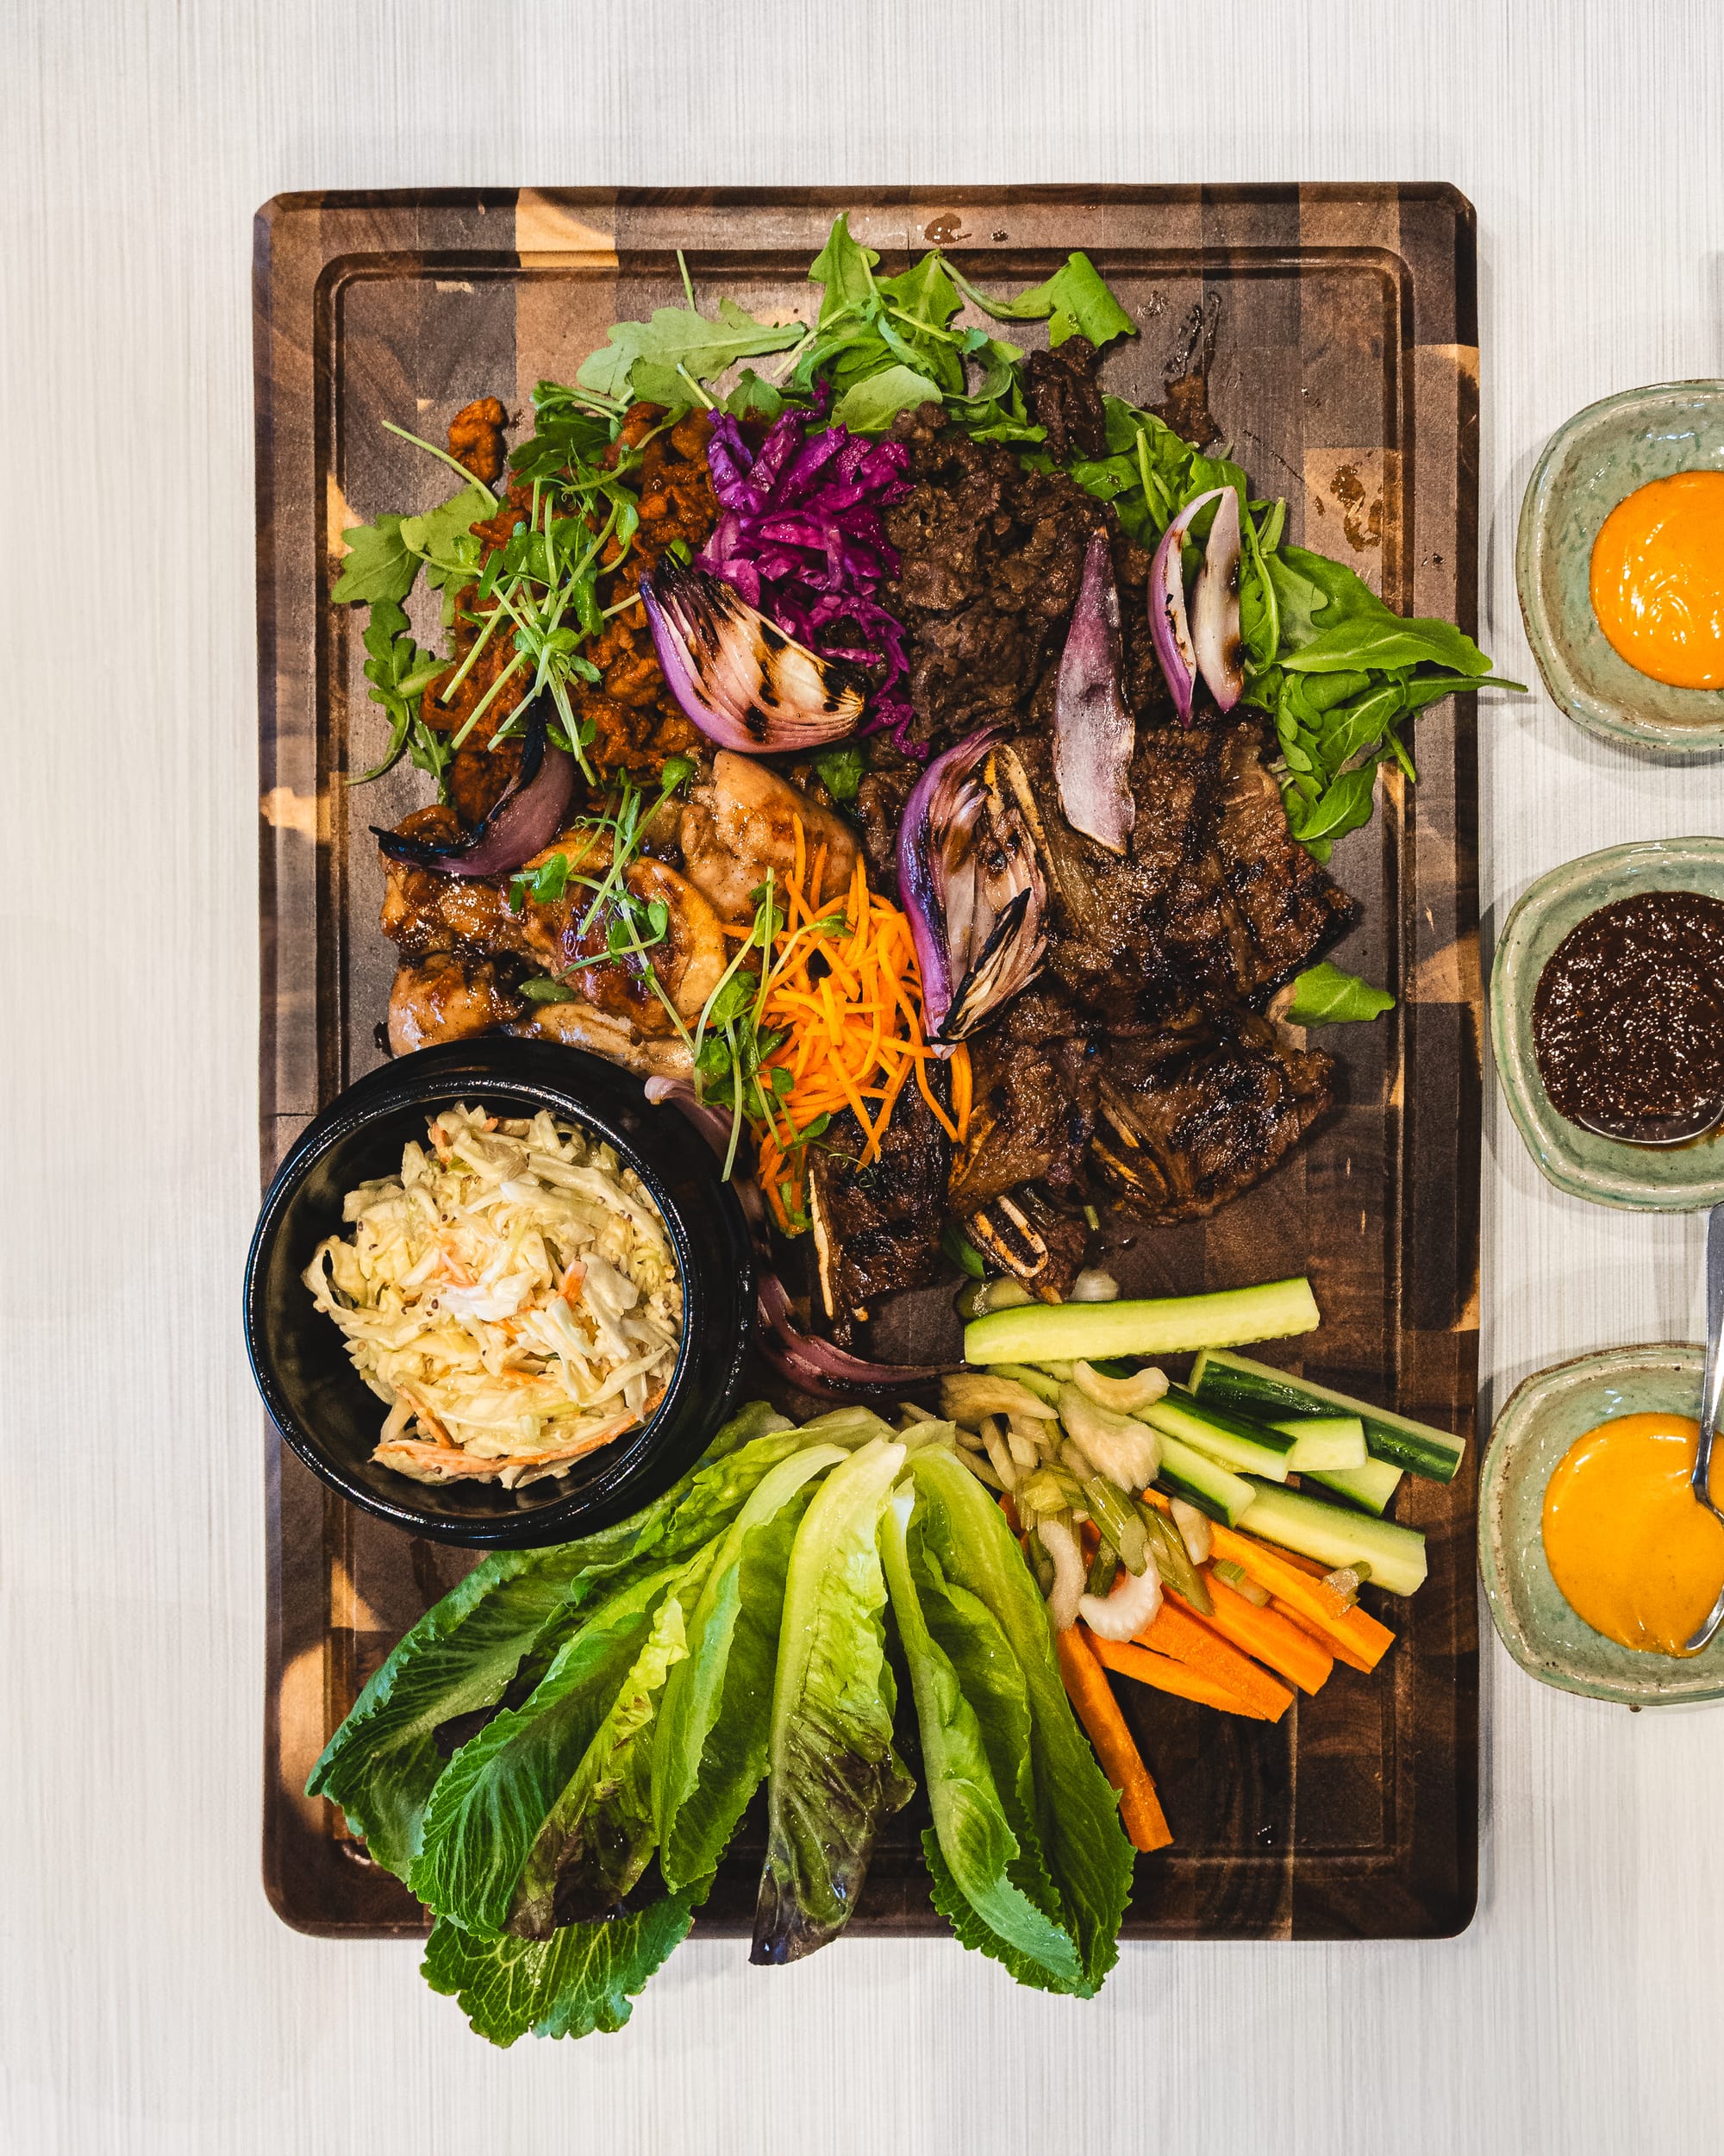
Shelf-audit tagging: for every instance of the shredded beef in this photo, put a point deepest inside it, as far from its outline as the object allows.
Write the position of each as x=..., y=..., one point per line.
x=1065, y=398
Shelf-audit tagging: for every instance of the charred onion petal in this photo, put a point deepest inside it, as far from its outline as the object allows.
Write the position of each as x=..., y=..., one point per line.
x=971, y=884
x=741, y=680
x=1093, y=729
x=816, y=1365
x=1216, y=607
x=523, y=823
x=713, y=1124
x=1168, y=628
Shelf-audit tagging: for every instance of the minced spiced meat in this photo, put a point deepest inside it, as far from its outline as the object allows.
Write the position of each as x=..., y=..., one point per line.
x=476, y=437
x=1065, y=398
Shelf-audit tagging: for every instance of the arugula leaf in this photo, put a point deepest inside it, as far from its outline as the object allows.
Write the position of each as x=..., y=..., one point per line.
x=982, y=1832
x=378, y=565
x=443, y=539
x=870, y=406
x=579, y=1981
x=1075, y=301
x=1344, y=805
x=714, y=1727
x=844, y=268
x=923, y=293
x=834, y=1773
x=1077, y=1813
x=1324, y=995
x=647, y=359
x=754, y=397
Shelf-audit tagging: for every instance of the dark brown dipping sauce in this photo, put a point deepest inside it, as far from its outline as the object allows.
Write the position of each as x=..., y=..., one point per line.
x=1628, y=1020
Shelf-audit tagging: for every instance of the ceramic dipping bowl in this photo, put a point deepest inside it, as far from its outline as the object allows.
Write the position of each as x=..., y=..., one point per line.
x=1533, y=1618
x=1593, y=462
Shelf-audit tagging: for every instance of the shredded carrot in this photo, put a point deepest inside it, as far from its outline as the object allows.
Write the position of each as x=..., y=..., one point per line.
x=841, y=984
x=1086, y=1687
x=1125, y=1658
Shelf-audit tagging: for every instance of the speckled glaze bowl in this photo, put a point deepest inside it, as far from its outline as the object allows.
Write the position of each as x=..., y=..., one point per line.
x=1528, y=1609
x=1594, y=461
x=1532, y=1617
x=1647, y=1179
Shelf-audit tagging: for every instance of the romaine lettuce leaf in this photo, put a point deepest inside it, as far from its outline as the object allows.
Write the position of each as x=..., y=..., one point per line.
x=834, y=1773
x=486, y=1816
x=714, y=1725
x=1089, y=1857
x=983, y=1833
x=462, y=1657
x=579, y=1980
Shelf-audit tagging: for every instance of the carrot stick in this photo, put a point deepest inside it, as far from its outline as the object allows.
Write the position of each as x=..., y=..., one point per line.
x=1327, y=1640
x=1354, y=1634
x=1127, y=1658
x=1288, y=1649
x=1086, y=1687
x=1187, y=1639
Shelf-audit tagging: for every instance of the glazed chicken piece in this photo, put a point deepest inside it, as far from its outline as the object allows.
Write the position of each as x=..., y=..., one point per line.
x=742, y=821
x=445, y=997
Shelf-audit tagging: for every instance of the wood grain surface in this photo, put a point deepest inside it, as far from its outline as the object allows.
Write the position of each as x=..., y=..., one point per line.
x=149, y=1999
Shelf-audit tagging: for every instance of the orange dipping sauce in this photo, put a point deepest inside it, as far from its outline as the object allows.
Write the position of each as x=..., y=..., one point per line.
x=1658, y=579
x=1636, y=1557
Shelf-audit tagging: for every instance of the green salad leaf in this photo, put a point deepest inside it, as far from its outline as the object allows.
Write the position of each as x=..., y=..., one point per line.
x=662, y=358
x=1077, y=1813
x=1324, y=995
x=868, y=407
x=714, y=1725
x=492, y=1810
x=984, y=1837
x=834, y=1772
x=579, y=1981
x=1075, y=301
x=378, y=565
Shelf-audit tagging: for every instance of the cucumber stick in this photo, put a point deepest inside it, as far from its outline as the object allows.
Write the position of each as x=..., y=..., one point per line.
x=1334, y=1536
x=1202, y=1482
x=1369, y=1487
x=1322, y=1441
x=1247, y=1447
x=1173, y=1325
x=1252, y=1388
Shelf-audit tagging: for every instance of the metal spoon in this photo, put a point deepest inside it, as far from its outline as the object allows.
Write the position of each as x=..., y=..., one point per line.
x=1711, y=1388
x=1659, y=1130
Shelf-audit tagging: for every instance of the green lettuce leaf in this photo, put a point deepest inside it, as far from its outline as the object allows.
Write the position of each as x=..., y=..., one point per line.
x=644, y=358
x=443, y=539
x=490, y=1806
x=463, y=1656
x=844, y=270
x=1089, y=1858
x=834, y=1774
x=1324, y=995
x=578, y=1981
x=715, y=1726
x=378, y=565
x=982, y=1832
x=599, y=1836
x=1075, y=301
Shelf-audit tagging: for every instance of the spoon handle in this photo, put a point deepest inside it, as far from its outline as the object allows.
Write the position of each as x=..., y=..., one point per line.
x=1712, y=1385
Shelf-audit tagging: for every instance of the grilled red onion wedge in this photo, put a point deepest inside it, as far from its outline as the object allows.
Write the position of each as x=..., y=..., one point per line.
x=741, y=679
x=971, y=887
x=523, y=823
x=1214, y=651
x=1094, y=732
x=816, y=1365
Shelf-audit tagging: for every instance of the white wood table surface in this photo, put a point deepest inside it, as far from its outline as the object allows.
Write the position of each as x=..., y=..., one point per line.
x=149, y=2001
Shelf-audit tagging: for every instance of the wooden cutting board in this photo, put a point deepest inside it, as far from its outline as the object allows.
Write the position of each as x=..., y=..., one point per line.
x=1344, y=373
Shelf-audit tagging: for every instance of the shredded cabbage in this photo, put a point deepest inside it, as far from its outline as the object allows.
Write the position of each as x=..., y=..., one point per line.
x=512, y=1296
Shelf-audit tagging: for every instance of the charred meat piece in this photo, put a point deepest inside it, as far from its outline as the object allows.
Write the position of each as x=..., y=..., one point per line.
x=1020, y=1234
x=1187, y=1121
x=876, y=1229
x=1065, y=398
x=447, y=998
x=610, y=1034
x=476, y=437
x=1034, y=1079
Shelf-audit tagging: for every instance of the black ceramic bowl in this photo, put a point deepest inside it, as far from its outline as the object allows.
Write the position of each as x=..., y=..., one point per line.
x=332, y=1419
